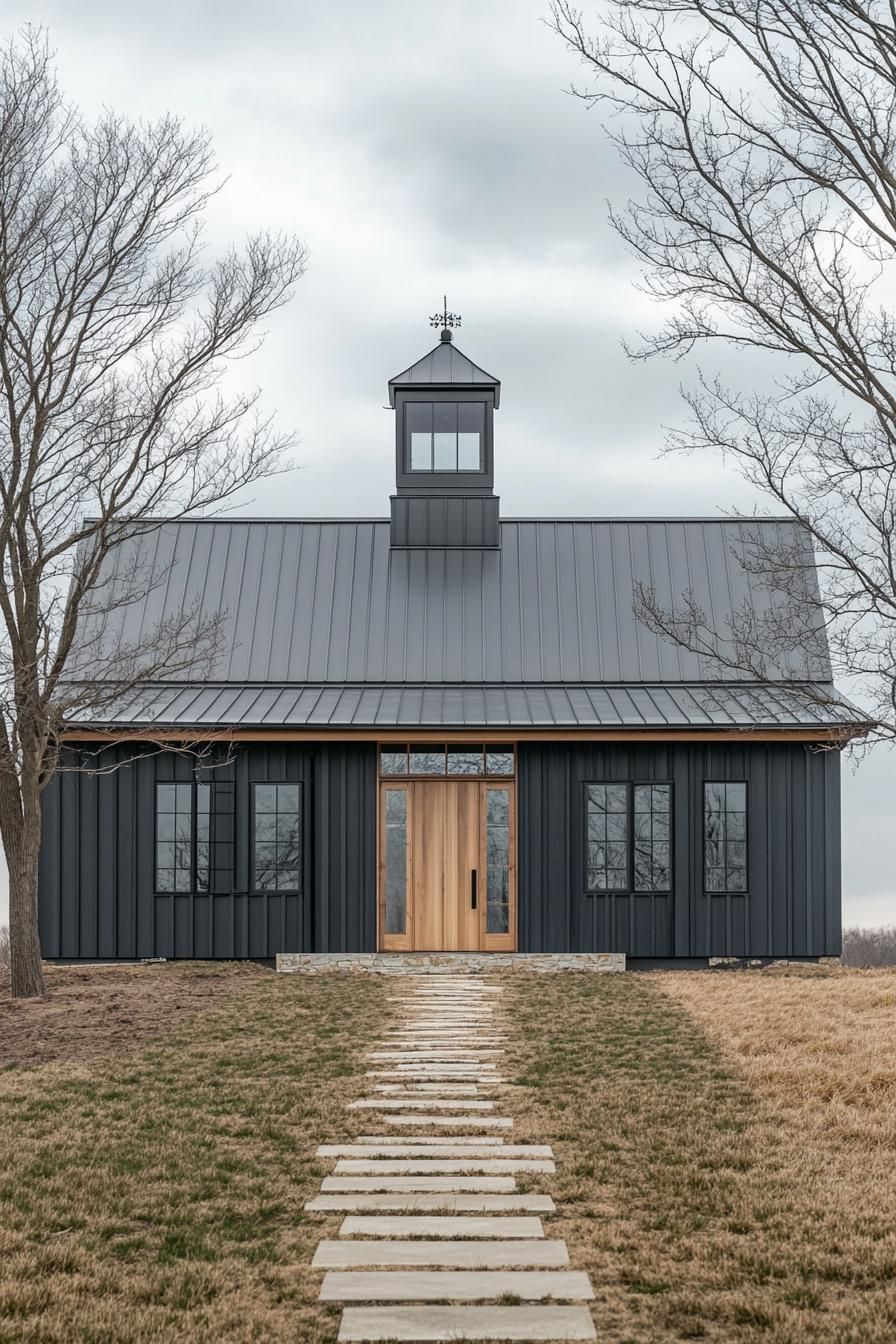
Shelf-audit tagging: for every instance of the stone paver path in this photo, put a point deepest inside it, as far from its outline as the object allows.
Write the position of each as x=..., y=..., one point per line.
x=438, y=1240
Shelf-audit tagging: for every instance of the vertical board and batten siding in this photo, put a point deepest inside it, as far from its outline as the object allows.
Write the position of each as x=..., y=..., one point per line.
x=97, y=897
x=792, y=908
x=97, y=870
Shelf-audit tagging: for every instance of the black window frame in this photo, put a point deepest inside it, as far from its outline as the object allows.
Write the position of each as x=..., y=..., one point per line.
x=298, y=889
x=194, y=889
x=727, y=891
x=630, y=888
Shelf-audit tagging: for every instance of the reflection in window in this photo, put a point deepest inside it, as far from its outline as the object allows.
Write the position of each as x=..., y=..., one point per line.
x=607, y=837
x=183, y=836
x=497, y=842
x=394, y=761
x=439, y=760
x=427, y=760
x=465, y=760
x=652, y=851
x=277, y=842
x=498, y=762
x=725, y=837
x=445, y=435
x=174, y=837
x=396, y=860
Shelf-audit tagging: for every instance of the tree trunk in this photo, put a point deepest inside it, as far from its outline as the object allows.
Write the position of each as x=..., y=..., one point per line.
x=20, y=823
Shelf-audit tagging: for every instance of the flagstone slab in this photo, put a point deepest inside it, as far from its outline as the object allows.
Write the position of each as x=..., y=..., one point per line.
x=495, y=1185
x=445, y=1148
x=419, y=1104
x=409, y=1089
x=458, y=1285
x=441, y=1201
x=493, y=1140
x=404, y=1226
x=474, y=1121
x=432, y=1325
x=436, y=1166
x=445, y=1254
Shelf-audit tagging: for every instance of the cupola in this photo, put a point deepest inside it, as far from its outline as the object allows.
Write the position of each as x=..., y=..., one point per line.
x=444, y=449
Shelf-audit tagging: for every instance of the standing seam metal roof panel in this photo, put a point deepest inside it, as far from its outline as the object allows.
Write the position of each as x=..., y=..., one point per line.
x=323, y=601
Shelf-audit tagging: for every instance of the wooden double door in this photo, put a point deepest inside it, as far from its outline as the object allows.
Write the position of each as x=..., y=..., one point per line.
x=447, y=878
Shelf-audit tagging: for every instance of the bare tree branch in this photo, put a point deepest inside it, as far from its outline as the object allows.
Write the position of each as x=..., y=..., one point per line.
x=115, y=333
x=762, y=138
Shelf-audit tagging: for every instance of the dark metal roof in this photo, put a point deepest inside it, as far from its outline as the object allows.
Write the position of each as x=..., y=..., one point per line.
x=328, y=602
x=444, y=366
x=481, y=707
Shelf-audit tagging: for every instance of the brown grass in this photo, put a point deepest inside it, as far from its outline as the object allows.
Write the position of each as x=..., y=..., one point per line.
x=157, y=1193
x=727, y=1149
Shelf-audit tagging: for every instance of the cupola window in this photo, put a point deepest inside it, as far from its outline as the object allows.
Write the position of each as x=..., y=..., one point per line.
x=445, y=435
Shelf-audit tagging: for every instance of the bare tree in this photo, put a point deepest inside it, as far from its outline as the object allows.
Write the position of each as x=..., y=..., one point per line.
x=114, y=333
x=762, y=134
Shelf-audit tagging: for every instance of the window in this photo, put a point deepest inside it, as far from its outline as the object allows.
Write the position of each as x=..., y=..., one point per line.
x=607, y=821
x=183, y=837
x=437, y=759
x=396, y=860
x=445, y=435
x=628, y=837
x=652, y=843
x=276, y=814
x=725, y=837
x=497, y=852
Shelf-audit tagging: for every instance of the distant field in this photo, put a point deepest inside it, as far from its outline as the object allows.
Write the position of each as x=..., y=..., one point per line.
x=726, y=1144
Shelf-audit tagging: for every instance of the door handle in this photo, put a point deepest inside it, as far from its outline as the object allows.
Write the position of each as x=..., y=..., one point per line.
x=474, y=878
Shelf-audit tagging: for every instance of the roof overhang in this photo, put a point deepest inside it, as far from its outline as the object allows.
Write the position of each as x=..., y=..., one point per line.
x=518, y=712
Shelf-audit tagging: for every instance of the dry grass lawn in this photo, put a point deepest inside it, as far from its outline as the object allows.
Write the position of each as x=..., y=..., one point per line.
x=728, y=1146
x=156, y=1193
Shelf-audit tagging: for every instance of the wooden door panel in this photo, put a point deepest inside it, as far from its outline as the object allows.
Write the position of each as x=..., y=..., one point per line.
x=428, y=864
x=447, y=834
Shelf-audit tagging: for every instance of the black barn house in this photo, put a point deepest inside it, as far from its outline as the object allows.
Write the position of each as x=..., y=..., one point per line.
x=447, y=731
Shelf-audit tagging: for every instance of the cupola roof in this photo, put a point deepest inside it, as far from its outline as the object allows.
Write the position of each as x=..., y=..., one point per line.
x=444, y=367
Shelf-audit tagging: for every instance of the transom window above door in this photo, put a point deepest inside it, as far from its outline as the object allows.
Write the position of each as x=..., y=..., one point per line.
x=441, y=759
x=444, y=435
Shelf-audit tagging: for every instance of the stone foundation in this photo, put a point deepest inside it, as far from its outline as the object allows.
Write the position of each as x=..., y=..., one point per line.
x=446, y=963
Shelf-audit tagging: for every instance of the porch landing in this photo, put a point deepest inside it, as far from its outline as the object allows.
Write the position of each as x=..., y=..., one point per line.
x=446, y=963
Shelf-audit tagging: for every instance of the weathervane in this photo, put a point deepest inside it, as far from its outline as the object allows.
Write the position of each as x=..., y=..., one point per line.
x=445, y=320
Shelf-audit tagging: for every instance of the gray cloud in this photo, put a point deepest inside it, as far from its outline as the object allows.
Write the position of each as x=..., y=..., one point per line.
x=420, y=148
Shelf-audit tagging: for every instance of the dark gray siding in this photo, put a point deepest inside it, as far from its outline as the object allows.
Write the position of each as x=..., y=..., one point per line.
x=792, y=908
x=97, y=897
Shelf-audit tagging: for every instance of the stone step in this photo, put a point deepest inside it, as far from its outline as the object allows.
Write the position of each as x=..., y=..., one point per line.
x=410, y=1089
x=404, y=1227
x=445, y=1121
x=435, y=1166
x=458, y=1285
x=419, y=1104
x=443, y=1201
x=492, y=1140
x=494, y=1185
x=434, y=1075
x=445, y=1254
x=449, y=1055
x=436, y=1324
x=401, y=1148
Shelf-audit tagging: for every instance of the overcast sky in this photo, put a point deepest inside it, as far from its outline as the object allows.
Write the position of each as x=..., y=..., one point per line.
x=420, y=148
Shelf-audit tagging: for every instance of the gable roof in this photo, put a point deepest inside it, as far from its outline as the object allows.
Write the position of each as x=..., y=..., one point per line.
x=327, y=602
x=444, y=366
